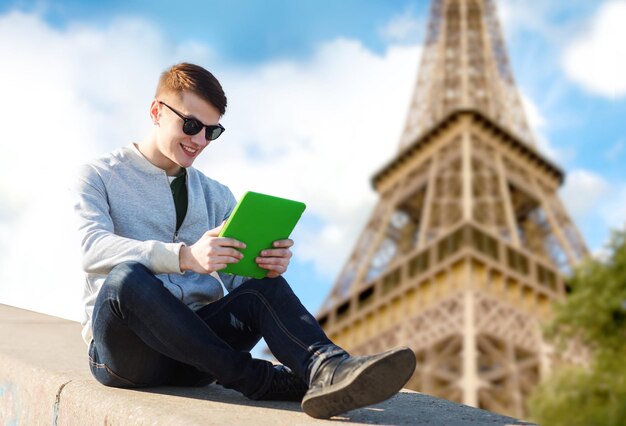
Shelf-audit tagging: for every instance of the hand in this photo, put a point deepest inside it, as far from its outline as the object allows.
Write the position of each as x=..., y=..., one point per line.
x=210, y=253
x=276, y=260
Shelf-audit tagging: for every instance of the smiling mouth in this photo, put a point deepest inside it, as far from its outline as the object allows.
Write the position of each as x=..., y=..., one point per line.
x=188, y=150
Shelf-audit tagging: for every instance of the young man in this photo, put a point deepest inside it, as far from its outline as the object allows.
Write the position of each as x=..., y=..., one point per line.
x=154, y=304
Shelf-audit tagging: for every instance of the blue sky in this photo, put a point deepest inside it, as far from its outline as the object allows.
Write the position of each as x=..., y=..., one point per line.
x=305, y=80
x=243, y=31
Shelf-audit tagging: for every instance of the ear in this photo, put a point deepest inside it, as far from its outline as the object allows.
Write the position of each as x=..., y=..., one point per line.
x=155, y=111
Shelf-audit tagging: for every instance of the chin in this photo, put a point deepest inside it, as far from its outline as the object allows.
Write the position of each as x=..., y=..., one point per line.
x=185, y=164
x=182, y=159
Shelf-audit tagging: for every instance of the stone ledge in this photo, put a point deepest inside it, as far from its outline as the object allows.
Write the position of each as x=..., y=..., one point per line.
x=44, y=379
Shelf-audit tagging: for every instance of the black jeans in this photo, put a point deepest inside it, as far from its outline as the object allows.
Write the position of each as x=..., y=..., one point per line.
x=145, y=336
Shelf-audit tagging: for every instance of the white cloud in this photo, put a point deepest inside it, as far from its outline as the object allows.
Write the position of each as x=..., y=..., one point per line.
x=538, y=125
x=596, y=59
x=613, y=211
x=313, y=130
x=515, y=16
x=582, y=192
x=553, y=21
x=67, y=96
x=319, y=130
x=536, y=120
x=402, y=28
x=596, y=204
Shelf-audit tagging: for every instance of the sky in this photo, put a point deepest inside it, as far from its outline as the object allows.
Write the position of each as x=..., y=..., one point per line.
x=317, y=92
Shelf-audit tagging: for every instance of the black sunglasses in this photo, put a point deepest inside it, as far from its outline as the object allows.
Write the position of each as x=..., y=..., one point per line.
x=191, y=126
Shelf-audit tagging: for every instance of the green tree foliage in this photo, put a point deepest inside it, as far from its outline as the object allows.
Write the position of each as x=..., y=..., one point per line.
x=595, y=314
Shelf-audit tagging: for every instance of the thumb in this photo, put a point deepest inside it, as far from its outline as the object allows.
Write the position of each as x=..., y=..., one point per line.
x=215, y=231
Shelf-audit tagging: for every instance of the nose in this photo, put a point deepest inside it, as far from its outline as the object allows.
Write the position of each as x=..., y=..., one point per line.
x=200, y=139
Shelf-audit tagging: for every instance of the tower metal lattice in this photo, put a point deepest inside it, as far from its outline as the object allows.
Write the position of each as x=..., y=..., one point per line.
x=465, y=251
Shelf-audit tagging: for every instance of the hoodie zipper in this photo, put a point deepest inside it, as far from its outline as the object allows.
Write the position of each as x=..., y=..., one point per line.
x=177, y=231
x=169, y=190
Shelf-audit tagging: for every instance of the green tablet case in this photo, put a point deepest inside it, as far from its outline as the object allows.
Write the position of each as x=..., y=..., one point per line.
x=258, y=220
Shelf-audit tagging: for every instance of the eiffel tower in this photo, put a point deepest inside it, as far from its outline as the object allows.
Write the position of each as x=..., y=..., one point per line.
x=467, y=247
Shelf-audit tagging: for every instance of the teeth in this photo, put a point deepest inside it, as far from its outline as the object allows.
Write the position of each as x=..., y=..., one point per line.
x=191, y=151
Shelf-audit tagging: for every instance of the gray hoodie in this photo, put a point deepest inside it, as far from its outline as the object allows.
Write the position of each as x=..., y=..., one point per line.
x=126, y=213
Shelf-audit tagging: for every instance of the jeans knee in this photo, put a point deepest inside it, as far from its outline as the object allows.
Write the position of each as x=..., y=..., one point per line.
x=128, y=278
x=130, y=268
x=272, y=288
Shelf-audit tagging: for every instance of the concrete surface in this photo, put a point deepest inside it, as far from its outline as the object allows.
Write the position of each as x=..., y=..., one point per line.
x=44, y=379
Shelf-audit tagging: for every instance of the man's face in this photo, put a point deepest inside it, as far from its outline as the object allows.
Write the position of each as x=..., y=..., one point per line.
x=175, y=149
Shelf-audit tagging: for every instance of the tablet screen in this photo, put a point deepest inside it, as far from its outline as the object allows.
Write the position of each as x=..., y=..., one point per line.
x=258, y=220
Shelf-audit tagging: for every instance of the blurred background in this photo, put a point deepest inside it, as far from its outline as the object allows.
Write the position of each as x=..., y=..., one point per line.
x=318, y=94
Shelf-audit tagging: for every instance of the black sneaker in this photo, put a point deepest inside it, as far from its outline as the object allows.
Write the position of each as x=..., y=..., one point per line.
x=346, y=383
x=285, y=386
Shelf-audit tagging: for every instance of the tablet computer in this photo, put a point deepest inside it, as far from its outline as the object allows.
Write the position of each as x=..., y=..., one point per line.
x=258, y=220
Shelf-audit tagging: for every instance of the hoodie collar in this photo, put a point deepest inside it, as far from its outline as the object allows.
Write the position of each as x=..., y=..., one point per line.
x=138, y=159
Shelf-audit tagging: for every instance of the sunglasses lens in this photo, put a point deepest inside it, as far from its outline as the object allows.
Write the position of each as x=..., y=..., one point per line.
x=192, y=127
x=213, y=132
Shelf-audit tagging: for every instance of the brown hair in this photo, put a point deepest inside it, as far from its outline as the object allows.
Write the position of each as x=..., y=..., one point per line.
x=195, y=79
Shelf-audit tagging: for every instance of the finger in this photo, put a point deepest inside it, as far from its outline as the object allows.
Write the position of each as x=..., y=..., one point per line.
x=283, y=253
x=217, y=267
x=272, y=261
x=219, y=260
x=273, y=268
x=229, y=242
x=225, y=252
x=215, y=251
x=283, y=243
x=215, y=231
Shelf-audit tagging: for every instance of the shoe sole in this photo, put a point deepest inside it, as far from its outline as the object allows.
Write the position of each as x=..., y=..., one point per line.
x=370, y=384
